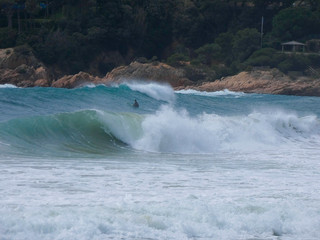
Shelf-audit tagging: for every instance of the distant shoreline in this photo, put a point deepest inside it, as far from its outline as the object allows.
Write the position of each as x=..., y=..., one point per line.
x=28, y=71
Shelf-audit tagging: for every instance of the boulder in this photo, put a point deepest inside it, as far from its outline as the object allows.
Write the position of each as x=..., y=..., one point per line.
x=77, y=80
x=42, y=83
x=155, y=71
x=11, y=58
x=18, y=66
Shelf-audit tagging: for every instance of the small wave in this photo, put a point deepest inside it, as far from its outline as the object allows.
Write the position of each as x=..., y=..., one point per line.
x=163, y=92
x=210, y=94
x=7, y=86
x=89, y=85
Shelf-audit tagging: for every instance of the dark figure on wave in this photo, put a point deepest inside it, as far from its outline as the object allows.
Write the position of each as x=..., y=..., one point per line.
x=135, y=104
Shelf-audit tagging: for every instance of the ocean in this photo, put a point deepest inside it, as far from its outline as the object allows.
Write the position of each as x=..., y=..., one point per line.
x=83, y=164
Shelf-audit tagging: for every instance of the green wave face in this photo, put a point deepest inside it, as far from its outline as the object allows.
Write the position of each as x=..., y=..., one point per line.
x=88, y=131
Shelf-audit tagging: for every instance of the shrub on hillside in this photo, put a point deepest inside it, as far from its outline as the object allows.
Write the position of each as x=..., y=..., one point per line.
x=295, y=62
x=265, y=57
x=176, y=59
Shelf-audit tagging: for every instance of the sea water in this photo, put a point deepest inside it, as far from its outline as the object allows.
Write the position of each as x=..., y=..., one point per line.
x=84, y=164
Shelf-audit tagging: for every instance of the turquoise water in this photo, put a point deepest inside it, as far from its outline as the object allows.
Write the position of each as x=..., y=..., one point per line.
x=84, y=164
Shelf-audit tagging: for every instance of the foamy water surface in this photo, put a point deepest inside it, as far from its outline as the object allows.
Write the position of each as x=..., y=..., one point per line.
x=185, y=165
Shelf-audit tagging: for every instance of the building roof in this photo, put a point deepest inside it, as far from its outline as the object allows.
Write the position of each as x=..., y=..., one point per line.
x=293, y=43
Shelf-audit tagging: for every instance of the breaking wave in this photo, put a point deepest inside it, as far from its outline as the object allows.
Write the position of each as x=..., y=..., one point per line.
x=225, y=92
x=168, y=130
x=7, y=86
x=163, y=92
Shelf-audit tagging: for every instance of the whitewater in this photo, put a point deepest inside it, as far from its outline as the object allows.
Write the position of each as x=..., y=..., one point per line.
x=82, y=164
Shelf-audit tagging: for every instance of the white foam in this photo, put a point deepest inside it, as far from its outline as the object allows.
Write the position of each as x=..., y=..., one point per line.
x=7, y=86
x=90, y=85
x=255, y=194
x=124, y=126
x=176, y=131
x=155, y=90
x=155, y=196
x=265, y=185
x=211, y=94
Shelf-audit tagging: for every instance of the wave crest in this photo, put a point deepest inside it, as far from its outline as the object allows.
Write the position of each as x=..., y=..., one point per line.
x=225, y=92
x=168, y=130
x=7, y=86
x=163, y=92
x=176, y=131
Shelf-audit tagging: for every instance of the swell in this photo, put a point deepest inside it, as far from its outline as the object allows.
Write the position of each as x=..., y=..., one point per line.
x=20, y=102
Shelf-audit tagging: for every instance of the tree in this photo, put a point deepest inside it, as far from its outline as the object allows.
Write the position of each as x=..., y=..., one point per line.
x=216, y=17
x=185, y=26
x=295, y=23
x=7, y=6
x=208, y=53
x=265, y=57
x=245, y=42
x=32, y=7
x=225, y=41
x=158, y=20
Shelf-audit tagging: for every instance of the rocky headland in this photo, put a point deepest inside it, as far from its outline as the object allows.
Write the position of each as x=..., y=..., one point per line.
x=21, y=68
x=266, y=82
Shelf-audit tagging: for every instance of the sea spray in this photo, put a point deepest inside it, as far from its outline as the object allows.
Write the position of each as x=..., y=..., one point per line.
x=7, y=86
x=157, y=91
x=123, y=126
x=225, y=92
x=170, y=130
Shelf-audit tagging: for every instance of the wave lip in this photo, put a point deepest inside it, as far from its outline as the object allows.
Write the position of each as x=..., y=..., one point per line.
x=7, y=86
x=224, y=92
x=161, y=92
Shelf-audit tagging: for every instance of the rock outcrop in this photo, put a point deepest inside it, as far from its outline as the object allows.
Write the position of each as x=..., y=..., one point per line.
x=156, y=71
x=21, y=68
x=77, y=80
x=268, y=82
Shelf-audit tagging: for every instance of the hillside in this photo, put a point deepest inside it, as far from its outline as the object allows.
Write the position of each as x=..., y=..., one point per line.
x=217, y=36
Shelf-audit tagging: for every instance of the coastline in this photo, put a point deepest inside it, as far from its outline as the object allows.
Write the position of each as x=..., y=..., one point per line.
x=24, y=70
x=264, y=82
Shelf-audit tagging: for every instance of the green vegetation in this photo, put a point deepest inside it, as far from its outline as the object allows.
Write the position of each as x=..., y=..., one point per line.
x=216, y=35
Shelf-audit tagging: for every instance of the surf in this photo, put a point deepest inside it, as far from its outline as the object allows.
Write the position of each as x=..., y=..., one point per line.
x=225, y=92
x=7, y=86
x=83, y=163
x=168, y=130
x=154, y=90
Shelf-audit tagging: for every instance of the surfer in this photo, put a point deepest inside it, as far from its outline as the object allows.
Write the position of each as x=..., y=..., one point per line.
x=135, y=104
